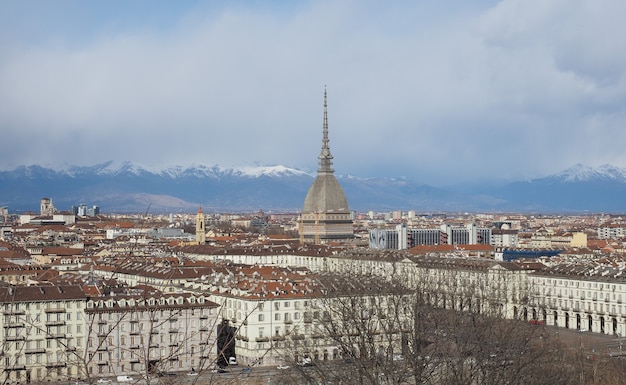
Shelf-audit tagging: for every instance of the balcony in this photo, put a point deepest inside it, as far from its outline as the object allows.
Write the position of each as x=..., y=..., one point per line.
x=35, y=351
x=15, y=338
x=55, y=310
x=55, y=336
x=16, y=368
x=134, y=346
x=288, y=321
x=55, y=323
x=262, y=339
x=14, y=312
x=52, y=365
x=14, y=325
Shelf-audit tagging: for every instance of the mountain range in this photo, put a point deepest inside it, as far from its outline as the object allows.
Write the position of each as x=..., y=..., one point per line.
x=127, y=187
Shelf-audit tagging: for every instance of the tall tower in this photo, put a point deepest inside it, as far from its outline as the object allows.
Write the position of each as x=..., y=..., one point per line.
x=46, y=207
x=325, y=214
x=200, y=230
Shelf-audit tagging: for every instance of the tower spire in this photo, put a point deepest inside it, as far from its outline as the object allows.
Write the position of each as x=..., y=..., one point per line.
x=325, y=158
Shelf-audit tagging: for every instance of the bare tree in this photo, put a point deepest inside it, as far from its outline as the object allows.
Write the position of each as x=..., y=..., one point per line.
x=386, y=333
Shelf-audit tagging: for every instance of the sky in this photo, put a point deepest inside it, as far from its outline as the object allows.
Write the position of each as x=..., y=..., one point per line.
x=438, y=92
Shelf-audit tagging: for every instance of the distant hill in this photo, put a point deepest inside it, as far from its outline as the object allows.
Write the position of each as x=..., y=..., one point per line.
x=126, y=187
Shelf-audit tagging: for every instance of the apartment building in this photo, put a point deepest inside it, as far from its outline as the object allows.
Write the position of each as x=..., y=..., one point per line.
x=274, y=322
x=43, y=332
x=150, y=331
x=60, y=332
x=611, y=232
x=595, y=304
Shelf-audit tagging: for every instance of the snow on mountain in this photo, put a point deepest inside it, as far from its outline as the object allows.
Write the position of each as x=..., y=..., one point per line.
x=129, y=186
x=195, y=170
x=583, y=173
x=272, y=171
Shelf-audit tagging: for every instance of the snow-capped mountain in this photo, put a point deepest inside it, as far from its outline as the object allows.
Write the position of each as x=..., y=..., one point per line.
x=128, y=187
x=582, y=173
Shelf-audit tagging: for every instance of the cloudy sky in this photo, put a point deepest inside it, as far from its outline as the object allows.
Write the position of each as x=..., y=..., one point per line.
x=433, y=91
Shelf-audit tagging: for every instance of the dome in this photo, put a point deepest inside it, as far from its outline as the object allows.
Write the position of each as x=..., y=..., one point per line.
x=325, y=195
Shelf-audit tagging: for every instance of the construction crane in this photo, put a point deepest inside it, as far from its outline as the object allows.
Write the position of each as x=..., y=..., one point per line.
x=145, y=215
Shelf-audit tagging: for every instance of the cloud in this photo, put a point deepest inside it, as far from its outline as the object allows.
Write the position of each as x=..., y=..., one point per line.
x=433, y=92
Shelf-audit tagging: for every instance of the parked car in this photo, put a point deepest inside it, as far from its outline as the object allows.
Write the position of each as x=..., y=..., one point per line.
x=282, y=366
x=104, y=381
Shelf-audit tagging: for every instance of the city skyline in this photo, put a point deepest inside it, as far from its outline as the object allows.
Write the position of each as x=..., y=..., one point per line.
x=437, y=93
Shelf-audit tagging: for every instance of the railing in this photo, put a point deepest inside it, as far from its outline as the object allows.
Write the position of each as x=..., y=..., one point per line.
x=14, y=325
x=56, y=336
x=35, y=351
x=55, y=310
x=14, y=312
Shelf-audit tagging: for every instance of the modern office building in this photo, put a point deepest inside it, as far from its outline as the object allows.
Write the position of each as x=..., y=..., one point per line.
x=402, y=238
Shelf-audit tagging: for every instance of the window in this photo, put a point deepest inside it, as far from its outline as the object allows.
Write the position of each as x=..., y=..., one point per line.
x=261, y=318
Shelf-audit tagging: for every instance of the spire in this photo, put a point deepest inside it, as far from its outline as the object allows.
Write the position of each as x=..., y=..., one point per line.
x=325, y=158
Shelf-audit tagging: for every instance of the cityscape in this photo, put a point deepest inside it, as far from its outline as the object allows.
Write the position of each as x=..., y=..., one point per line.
x=323, y=295
x=313, y=192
